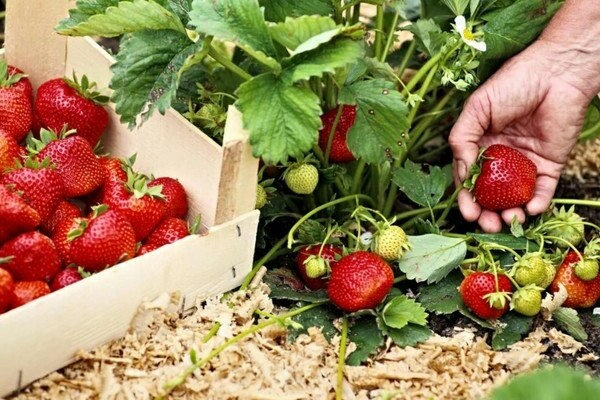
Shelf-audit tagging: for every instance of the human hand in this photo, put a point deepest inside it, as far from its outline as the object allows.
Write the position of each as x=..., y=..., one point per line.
x=533, y=104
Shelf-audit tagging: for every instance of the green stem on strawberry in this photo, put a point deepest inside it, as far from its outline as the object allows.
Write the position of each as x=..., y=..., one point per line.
x=421, y=73
x=330, y=97
x=213, y=331
x=306, y=217
x=409, y=53
x=341, y=360
x=590, y=133
x=390, y=38
x=569, y=244
x=355, y=13
x=420, y=211
x=227, y=63
x=468, y=261
x=449, y=205
x=336, y=122
x=400, y=278
x=357, y=179
x=263, y=260
x=496, y=246
x=379, y=32
x=577, y=202
x=169, y=386
x=413, y=112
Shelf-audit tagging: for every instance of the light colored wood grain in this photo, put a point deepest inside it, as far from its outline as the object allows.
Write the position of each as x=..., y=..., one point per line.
x=45, y=335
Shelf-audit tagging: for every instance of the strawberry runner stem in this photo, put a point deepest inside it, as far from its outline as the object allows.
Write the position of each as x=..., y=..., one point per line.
x=379, y=32
x=264, y=259
x=341, y=360
x=336, y=122
x=390, y=38
x=577, y=202
x=174, y=383
x=227, y=63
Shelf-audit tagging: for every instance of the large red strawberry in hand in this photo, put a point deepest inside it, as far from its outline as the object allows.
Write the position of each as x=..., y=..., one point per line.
x=31, y=256
x=143, y=206
x=16, y=216
x=97, y=242
x=505, y=179
x=339, y=148
x=361, y=280
x=16, y=111
x=63, y=102
x=329, y=254
x=487, y=300
x=40, y=184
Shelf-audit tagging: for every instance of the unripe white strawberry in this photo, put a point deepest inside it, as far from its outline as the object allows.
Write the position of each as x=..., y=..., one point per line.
x=261, y=197
x=391, y=243
x=302, y=179
x=527, y=301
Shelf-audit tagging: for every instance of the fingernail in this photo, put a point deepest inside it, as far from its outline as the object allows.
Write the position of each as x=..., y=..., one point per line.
x=462, y=170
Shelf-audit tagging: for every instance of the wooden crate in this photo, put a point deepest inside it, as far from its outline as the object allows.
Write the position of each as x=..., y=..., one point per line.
x=45, y=335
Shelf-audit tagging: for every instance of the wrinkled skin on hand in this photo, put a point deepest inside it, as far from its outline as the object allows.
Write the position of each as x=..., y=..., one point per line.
x=535, y=103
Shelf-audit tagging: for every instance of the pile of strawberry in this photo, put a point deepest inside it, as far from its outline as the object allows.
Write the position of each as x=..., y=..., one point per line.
x=66, y=212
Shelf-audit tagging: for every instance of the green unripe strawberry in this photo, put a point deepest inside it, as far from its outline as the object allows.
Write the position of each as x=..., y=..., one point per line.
x=566, y=225
x=391, y=243
x=302, y=179
x=527, y=301
x=533, y=269
x=587, y=269
x=261, y=197
x=550, y=274
x=316, y=267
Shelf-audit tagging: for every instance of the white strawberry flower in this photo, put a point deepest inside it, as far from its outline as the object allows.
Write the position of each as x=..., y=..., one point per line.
x=467, y=35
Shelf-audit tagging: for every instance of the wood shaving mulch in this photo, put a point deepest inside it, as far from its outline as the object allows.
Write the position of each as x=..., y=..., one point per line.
x=584, y=160
x=268, y=366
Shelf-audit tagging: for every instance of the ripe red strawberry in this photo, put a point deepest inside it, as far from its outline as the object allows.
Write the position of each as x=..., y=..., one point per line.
x=27, y=291
x=33, y=257
x=23, y=84
x=41, y=185
x=339, y=148
x=62, y=101
x=506, y=178
x=74, y=159
x=329, y=253
x=175, y=196
x=144, y=207
x=145, y=248
x=16, y=215
x=64, y=210
x=479, y=292
x=9, y=152
x=66, y=277
x=16, y=111
x=361, y=280
x=99, y=241
x=114, y=170
x=7, y=286
x=168, y=231
x=581, y=294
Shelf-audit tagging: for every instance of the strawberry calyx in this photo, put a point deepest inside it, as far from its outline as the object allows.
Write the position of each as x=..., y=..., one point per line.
x=137, y=185
x=34, y=145
x=474, y=171
x=32, y=162
x=78, y=231
x=498, y=300
x=99, y=210
x=87, y=89
x=7, y=79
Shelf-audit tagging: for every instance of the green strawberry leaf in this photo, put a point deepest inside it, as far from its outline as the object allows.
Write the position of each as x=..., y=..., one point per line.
x=311, y=232
x=505, y=239
x=381, y=121
x=326, y=58
x=321, y=317
x=512, y=328
x=120, y=18
x=181, y=8
x=401, y=310
x=429, y=35
x=367, y=336
x=283, y=120
x=144, y=72
x=408, y=9
x=410, y=335
x=424, y=189
x=432, y=257
x=241, y=22
x=442, y=297
x=279, y=10
x=307, y=32
x=553, y=382
x=479, y=321
x=568, y=321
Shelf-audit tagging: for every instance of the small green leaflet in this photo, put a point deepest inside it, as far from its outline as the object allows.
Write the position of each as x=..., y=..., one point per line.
x=308, y=31
x=326, y=58
x=568, y=321
x=381, y=120
x=84, y=9
x=512, y=328
x=432, y=257
x=553, y=382
x=505, y=239
x=283, y=120
x=146, y=72
x=410, y=335
x=424, y=189
x=279, y=10
x=367, y=336
x=239, y=21
x=429, y=35
x=401, y=310
x=442, y=297
x=126, y=17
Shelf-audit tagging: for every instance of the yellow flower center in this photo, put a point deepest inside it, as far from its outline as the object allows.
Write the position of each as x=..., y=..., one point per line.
x=468, y=35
